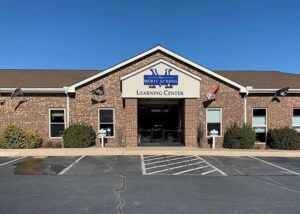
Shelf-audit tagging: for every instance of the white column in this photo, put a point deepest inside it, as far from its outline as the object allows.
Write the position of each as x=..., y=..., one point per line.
x=67, y=108
x=245, y=109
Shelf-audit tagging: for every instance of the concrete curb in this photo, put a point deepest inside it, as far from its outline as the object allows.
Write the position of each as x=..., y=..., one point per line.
x=145, y=151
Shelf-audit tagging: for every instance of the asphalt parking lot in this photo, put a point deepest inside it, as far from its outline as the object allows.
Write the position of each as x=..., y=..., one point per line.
x=149, y=184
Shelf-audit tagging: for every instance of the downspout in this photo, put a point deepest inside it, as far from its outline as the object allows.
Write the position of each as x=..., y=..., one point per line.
x=245, y=105
x=68, y=107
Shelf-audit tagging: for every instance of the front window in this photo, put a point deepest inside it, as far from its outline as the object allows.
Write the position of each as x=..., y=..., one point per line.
x=106, y=120
x=259, y=124
x=213, y=121
x=296, y=119
x=57, y=122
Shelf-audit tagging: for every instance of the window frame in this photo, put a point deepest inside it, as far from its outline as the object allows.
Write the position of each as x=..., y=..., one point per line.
x=294, y=125
x=221, y=121
x=114, y=121
x=50, y=123
x=261, y=126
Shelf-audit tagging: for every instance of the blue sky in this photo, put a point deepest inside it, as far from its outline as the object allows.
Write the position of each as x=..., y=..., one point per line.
x=95, y=34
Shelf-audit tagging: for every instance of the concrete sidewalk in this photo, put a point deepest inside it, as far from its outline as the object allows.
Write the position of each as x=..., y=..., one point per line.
x=146, y=151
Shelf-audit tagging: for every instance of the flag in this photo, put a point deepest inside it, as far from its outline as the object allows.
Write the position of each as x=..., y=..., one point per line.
x=212, y=92
x=282, y=92
x=98, y=91
x=16, y=92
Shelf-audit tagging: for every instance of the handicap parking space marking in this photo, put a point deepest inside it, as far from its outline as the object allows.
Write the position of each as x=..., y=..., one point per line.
x=205, y=173
x=176, y=167
x=160, y=157
x=189, y=170
x=169, y=164
x=168, y=159
x=143, y=165
x=274, y=165
x=11, y=161
x=152, y=156
x=71, y=165
x=216, y=169
x=182, y=165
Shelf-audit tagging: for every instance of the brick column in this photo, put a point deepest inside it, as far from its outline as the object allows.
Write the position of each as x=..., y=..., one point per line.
x=190, y=122
x=131, y=122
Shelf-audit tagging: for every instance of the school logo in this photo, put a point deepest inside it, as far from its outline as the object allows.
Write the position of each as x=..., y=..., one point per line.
x=155, y=79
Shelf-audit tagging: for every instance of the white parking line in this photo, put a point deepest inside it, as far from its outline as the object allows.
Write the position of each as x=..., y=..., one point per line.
x=151, y=156
x=71, y=165
x=223, y=173
x=171, y=159
x=169, y=164
x=157, y=158
x=205, y=173
x=271, y=164
x=143, y=165
x=2, y=164
x=189, y=170
x=177, y=167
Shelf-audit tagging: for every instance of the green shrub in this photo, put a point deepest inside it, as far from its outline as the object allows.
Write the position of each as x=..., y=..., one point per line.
x=79, y=136
x=239, y=137
x=52, y=144
x=285, y=138
x=14, y=137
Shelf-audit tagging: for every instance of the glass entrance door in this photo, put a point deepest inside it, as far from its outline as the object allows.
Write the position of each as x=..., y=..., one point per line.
x=159, y=123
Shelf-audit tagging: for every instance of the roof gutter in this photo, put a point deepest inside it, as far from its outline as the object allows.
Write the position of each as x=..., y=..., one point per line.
x=269, y=91
x=37, y=90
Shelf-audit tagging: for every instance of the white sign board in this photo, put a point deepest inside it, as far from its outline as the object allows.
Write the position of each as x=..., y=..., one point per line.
x=214, y=133
x=161, y=80
x=102, y=135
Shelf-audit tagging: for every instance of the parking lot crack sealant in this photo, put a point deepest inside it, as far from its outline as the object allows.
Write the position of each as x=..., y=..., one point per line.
x=122, y=188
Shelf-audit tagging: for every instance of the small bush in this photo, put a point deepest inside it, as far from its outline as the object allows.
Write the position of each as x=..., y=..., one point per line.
x=285, y=138
x=52, y=144
x=79, y=136
x=14, y=137
x=239, y=137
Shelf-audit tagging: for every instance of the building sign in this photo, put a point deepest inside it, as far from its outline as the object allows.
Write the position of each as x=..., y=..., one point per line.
x=155, y=79
x=160, y=80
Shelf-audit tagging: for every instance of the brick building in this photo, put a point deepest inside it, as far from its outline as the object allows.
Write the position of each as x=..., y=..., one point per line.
x=154, y=98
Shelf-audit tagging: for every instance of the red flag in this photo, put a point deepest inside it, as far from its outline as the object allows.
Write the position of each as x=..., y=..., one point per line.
x=16, y=92
x=212, y=91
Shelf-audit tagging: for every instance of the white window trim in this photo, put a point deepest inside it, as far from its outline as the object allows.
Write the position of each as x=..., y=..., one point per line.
x=221, y=121
x=295, y=125
x=261, y=126
x=49, y=121
x=114, y=120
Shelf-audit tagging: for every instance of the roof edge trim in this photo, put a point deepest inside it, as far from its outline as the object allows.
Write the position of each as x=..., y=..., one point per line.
x=73, y=87
x=269, y=90
x=155, y=63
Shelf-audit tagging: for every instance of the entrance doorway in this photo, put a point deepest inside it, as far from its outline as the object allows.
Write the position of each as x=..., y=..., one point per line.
x=160, y=122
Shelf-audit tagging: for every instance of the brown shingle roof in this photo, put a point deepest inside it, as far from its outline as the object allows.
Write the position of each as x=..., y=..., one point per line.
x=39, y=78
x=11, y=78
x=262, y=79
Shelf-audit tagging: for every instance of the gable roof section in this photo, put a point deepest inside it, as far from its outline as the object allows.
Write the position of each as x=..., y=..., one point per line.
x=162, y=49
x=63, y=81
x=156, y=63
x=39, y=78
x=263, y=79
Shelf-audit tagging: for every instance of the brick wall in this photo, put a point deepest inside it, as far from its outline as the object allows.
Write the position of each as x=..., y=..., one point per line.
x=33, y=114
x=131, y=122
x=229, y=99
x=279, y=114
x=190, y=122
